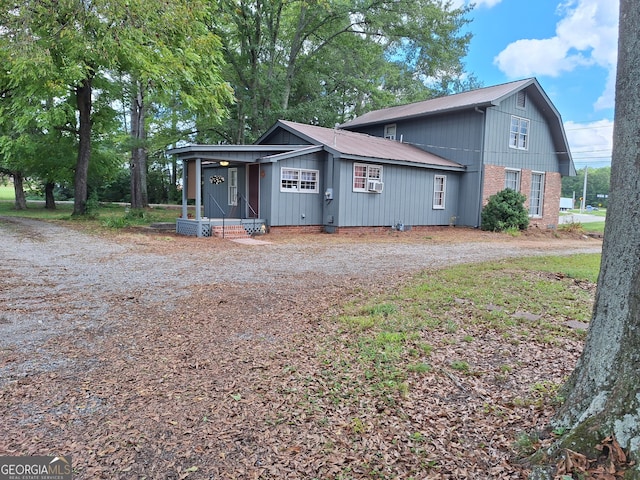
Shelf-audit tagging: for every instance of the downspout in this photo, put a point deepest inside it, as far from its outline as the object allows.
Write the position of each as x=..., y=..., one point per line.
x=481, y=168
x=329, y=219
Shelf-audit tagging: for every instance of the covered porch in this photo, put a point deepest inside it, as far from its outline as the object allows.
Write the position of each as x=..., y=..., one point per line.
x=220, y=227
x=224, y=183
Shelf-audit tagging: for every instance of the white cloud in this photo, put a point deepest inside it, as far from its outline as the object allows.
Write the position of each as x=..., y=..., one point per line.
x=590, y=143
x=486, y=3
x=586, y=35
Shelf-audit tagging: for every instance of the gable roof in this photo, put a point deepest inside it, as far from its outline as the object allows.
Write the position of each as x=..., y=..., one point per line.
x=359, y=146
x=479, y=98
x=482, y=97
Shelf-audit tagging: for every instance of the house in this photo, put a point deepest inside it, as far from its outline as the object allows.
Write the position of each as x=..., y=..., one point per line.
x=429, y=163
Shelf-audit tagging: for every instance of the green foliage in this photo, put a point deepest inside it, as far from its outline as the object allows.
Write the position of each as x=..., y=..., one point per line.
x=505, y=211
x=93, y=205
x=598, y=183
x=104, y=48
x=282, y=55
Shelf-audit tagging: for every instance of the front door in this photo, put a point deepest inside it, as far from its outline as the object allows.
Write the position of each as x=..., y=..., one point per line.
x=253, y=190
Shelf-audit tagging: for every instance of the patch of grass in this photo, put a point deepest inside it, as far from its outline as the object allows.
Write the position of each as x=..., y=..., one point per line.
x=383, y=309
x=388, y=337
x=7, y=193
x=527, y=443
x=594, y=227
x=513, y=231
x=102, y=215
x=419, y=368
x=461, y=366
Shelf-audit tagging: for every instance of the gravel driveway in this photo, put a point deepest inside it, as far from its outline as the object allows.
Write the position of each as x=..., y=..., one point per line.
x=57, y=279
x=151, y=355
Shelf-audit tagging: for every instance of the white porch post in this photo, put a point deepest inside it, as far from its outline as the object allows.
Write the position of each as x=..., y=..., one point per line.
x=185, y=167
x=198, y=194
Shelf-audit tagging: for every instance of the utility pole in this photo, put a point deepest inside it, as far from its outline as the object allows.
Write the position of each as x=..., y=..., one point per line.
x=583, y=204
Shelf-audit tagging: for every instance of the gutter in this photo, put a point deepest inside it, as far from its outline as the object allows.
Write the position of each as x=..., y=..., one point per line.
x=481, y=167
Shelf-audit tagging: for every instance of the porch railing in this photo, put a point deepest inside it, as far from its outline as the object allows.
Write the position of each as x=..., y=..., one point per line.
x=211, y=198
x=248, y=207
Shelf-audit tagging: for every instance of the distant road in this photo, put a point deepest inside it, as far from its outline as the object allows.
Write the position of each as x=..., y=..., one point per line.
x=580, y=218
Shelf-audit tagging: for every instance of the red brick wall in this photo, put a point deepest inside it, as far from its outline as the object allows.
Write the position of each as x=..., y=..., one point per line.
x=551, y=206
x=493, y=182
x=494, y=177
x=296, y=229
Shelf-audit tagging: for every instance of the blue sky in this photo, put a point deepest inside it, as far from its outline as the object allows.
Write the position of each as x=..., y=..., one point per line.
x=569, y=46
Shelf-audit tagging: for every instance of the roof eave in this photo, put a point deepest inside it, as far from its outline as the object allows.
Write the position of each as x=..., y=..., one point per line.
x=349, y=126
x=408, y=163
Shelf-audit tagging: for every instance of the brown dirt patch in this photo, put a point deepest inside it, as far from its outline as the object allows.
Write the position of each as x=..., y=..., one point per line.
x=119, y=351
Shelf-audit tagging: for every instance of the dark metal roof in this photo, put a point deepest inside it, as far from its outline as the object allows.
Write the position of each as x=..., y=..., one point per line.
x=361, y=146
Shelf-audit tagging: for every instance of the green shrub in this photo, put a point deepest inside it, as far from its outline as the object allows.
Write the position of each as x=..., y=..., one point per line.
x=504, y=211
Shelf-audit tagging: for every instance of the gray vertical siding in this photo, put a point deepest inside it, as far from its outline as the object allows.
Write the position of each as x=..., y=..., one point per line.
x=540, y=154
x=455, y=136
x=294, y=208
x=407, y=198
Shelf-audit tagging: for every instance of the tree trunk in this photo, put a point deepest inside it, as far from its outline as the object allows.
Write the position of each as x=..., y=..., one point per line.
x=83, y=100
x=602, y=396
x=49, y=201
x=18, y=188
x=138, y=164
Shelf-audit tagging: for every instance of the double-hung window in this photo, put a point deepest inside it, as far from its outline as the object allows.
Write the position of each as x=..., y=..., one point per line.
x=439, y=191
x=512, y=179
x=537, y=194
x=299, y=180
x=363, y=173
x=233, y=187
x=519, y=133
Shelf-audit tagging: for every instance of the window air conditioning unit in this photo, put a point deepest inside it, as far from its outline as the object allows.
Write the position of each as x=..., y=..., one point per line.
x=375, y=186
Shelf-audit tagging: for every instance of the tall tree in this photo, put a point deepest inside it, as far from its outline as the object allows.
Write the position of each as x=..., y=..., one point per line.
x=81, y=46
x=291, y=58
x=602, y=395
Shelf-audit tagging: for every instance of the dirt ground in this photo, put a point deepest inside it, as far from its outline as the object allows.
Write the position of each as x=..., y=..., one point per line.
x=149, y=355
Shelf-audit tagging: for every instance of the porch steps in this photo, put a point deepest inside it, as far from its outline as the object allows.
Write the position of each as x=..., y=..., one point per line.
x=229, y=232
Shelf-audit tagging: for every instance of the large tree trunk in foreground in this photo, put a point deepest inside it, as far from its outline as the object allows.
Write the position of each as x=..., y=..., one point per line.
x=18, y=189
x=602, y=397
x=83, y=100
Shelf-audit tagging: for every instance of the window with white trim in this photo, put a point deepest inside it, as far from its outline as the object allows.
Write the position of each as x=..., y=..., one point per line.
x=299, y=180
x=232, y=188
x=439, y=191
x=519, y=133
x=363, y=173
x=536, y=199
x=390, y=131
x=512, y=179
